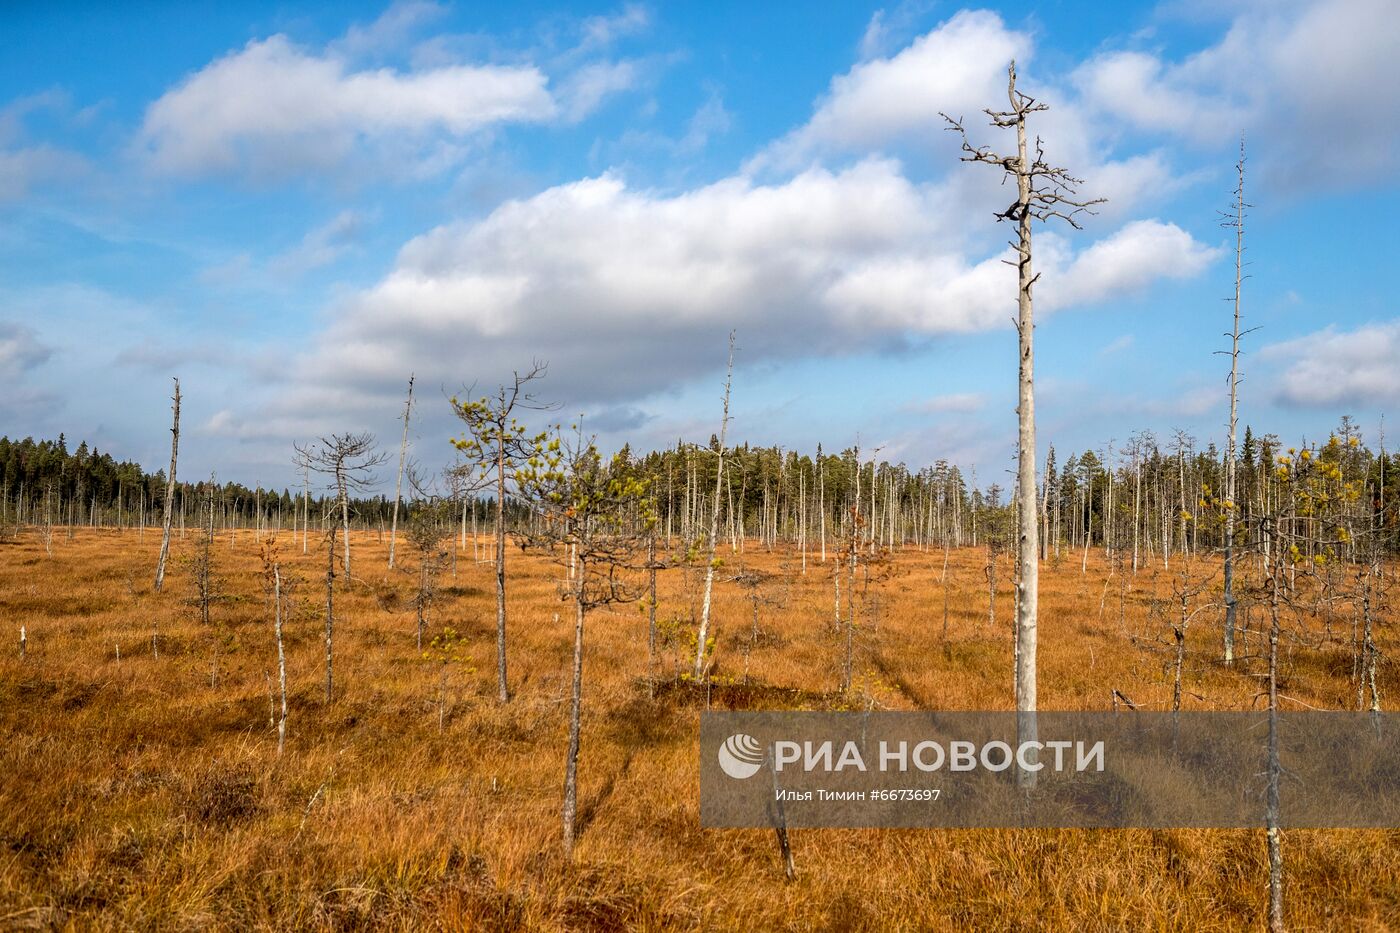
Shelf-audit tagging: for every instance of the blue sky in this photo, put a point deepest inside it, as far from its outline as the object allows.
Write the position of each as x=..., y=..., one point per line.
x=292, y=207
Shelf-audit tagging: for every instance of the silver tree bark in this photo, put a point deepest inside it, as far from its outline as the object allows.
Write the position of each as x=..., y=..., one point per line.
x=704, y=633
x=281, y=656
x=1042, y=192
x=570, y=810
x=1236, y=220
x=398, y=483
x=169, y=491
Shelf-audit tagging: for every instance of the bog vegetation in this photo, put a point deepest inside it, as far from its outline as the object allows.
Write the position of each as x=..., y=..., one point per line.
x=182, y=758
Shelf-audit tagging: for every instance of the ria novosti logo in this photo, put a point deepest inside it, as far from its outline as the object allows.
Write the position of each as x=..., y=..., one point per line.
x=740, y=756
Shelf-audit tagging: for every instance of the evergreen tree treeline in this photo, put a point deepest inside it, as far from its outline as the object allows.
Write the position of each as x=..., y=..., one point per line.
x=1141, y=497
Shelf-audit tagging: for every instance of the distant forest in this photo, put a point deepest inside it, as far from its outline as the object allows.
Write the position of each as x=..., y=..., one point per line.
x=1144, y=498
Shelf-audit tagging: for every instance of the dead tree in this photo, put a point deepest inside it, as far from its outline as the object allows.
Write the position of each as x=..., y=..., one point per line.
x=428, y=525
x=763, y=590
x=653, y=565
x=596, y=516
x=1235, y=221
x=703, y=636
x=349, y=459
x=273, y=572
x=1043, y=192
x=398, y=483
x=169, y=490
x=202, y=566
x=1271, y=814
x=497, y=447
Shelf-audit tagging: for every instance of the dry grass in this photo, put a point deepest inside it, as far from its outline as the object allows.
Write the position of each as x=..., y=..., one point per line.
x=135, y=795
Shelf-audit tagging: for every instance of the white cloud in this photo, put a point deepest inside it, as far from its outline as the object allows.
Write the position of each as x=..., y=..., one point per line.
x=945, y=293
x=628, y=293
x=960, y=67
x=1138, y=88
x=1315, y=84
x=895, y=104
x=1334, y=367
x=273, y=108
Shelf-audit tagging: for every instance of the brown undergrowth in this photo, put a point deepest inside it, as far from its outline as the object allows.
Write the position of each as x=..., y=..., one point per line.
x=146, y=792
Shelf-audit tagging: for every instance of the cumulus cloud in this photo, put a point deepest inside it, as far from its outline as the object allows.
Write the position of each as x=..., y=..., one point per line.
x=944, y=292
x=1315, y=82
x=960, y=67
x=272, y=108
x=815, y=249
x=1340, y=367
x=895, y=102
x=1139, y=88
x=628, y=292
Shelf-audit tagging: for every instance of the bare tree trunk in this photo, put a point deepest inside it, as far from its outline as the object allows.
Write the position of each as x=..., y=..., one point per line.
x=802, y=516
x=1274, y=773
x=330, y=607
x=1045, y=510
x=944, y=584
x=306, y=506
x=344, y=493
x=575, y=708
x=1028, y=582
x=281, y=656
x=502, y=690
x=651, y=611
x=1368, y=644
x=1229, y=572
x=704, y=633
x=398, y=483
x=169, y=491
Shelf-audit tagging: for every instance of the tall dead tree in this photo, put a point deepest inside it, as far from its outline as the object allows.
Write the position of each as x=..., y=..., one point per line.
x=1235, y=220
x=169, y=490
x=496, y=447
x=398, y=483
x=1043, y=192
x=713, y=538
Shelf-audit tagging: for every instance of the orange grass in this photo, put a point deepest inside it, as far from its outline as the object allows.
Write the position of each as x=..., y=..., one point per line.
x=135, y=795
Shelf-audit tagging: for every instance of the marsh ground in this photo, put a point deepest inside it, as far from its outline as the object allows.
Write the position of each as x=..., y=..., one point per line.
x=136, y=794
